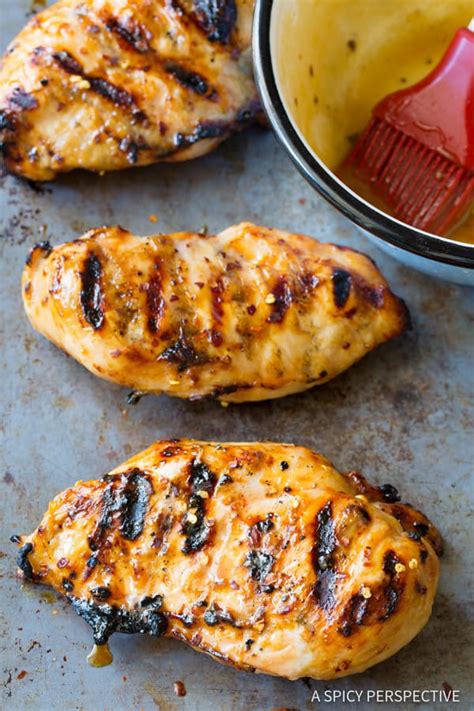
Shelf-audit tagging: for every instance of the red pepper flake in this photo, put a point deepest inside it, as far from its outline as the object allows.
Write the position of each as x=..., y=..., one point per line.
x=179, y=688
x=251, y=309
x=302, y=201
x=22, y=674
x=215, y=337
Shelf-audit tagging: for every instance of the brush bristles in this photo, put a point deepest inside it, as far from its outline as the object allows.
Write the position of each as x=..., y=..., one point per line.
x=419, y=185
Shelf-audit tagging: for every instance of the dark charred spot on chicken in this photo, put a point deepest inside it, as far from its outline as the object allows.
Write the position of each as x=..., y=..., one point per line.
x=155, y=601
x=375, y=295
x=389, y=493
x=354, y=614
x=172, y=451
x=417, y=529
x=265, y=525
x=181, y=353
x=80, y=506
x=260, y=564
x=222, y=390
x=202, y=478
x=109, y=506
x=202, y=482
x=135, y=35
x=421, y=530
x=130, y=148
x=307, y=282
x=67, y=62
x=377, y=603
x=392, y=595
x=216, y=17
x=136, y=497
x=203, y=130
x=155, y=301
x=91, y=292
x=107, y=619
x=284, y=465
x=186, y=618
x=390, y=560
x=109, y=91
x=187, y=78
x=125, y=504
x=341, y=286
x=92, y=561
x=259, y=529
x=322, y=558
x=164, y=524
x=283, y=299
x=101, y=593
x=23, y=562
x=6, y=121
x=394, y=588
x=44, y=247
x=355, y=517
x=67, y=585
x=19, y=98
x=215, y=615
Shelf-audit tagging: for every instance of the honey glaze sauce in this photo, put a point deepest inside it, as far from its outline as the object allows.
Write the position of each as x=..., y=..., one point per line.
x=334, y=60
x=462, y=232
x=100, y=656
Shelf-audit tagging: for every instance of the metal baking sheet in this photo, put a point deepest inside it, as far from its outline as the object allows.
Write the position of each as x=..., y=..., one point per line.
x=404, y=414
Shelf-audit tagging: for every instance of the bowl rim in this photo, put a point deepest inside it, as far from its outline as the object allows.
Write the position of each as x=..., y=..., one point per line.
x=323, y=180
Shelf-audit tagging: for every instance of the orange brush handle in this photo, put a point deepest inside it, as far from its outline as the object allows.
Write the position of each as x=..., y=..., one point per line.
x=439, y=111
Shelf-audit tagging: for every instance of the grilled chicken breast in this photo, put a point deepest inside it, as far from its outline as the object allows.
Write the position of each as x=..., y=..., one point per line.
x=248, y=314
x=262, y=555
x=107, y=84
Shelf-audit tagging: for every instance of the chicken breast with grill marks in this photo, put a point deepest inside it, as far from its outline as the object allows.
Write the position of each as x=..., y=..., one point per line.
x=262, y=555
x=108, y=84
x=248, y=314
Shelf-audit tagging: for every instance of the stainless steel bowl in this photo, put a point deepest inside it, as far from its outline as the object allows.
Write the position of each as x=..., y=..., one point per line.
x=434, y=255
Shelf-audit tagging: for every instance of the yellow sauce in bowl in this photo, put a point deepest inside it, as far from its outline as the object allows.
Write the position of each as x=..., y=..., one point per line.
x=335, y=59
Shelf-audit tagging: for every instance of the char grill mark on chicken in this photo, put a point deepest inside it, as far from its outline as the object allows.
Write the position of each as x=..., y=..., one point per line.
x=290, y=571
x=248, y=314
x=103, y=85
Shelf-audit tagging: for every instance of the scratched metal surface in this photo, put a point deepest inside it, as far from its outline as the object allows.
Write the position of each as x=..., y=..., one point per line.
x=403, y=415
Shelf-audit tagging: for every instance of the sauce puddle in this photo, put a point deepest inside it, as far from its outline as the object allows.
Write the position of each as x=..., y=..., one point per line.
x=462, y=232
x=100, y=656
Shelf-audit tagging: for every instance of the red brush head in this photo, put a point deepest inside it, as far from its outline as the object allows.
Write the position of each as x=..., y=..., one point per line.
x=439, y=111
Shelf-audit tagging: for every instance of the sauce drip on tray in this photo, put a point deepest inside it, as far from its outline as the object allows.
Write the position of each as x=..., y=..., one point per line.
x=100, y=656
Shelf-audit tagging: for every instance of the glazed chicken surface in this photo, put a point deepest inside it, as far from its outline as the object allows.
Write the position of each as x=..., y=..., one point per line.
x=108, y=84
x=248, y=314
x=262, y=555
